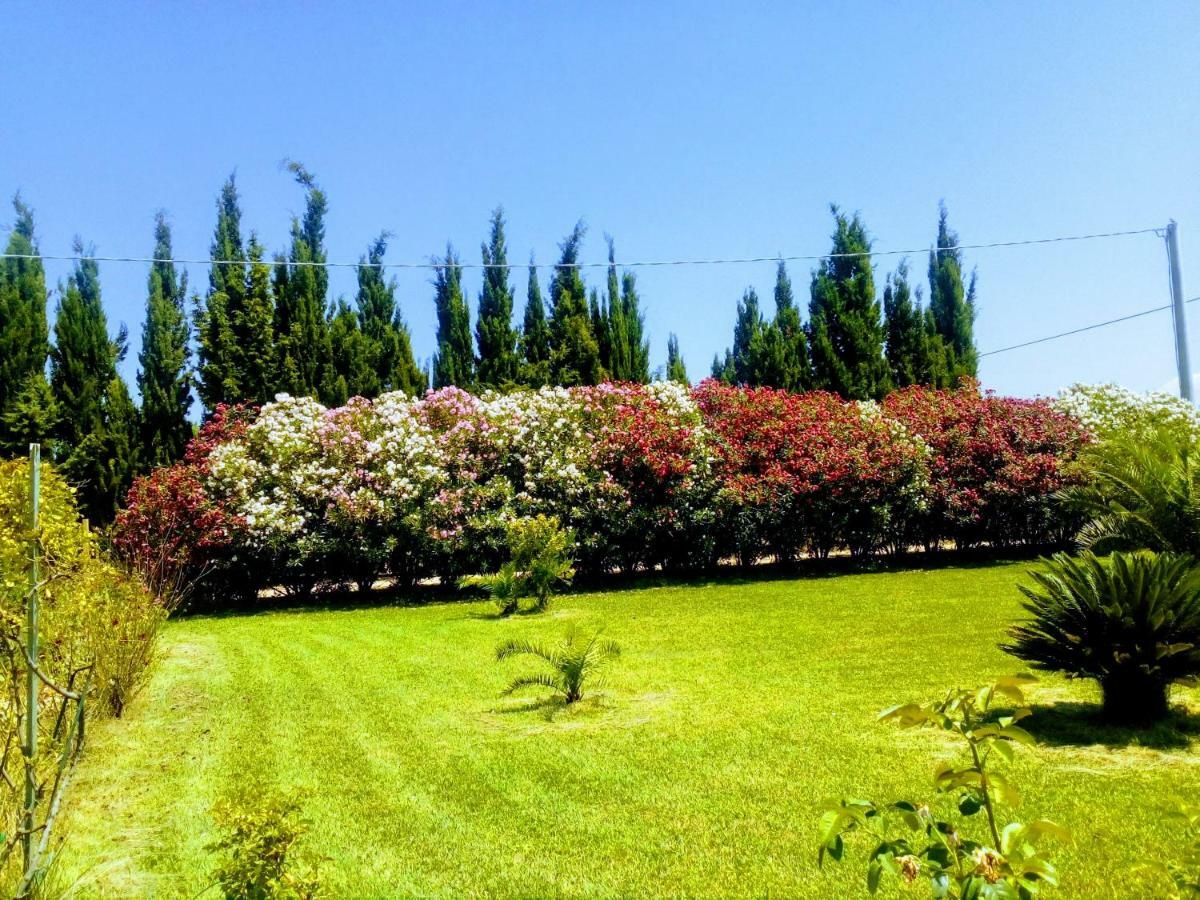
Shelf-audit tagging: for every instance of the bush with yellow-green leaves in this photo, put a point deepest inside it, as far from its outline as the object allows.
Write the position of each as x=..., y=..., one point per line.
x=96, y=634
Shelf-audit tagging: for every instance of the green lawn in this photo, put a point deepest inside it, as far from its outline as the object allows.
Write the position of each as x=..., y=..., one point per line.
x=736, y=709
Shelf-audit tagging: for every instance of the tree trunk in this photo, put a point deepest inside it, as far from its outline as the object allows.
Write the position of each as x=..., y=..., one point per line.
x=1134, y=698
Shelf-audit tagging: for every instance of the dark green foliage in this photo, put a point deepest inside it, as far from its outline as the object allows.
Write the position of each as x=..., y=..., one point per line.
x=252, y=324
x=24, y=333
x=953, y=308
x=30, y=417
x=1131, y=622
x=777, y=354
x=454, y=363
x=535, y=334
x=163, y=379
x=218, y=345
x=676, y=370
x=389, y=347
x=494, y=331
x=634, y=338
x=97, y=429
x=573, y=662
x=723, y=368
x=747, y=336
x=352, y=372
x=575, y=352
x=1142, y=491
x=845, y=328
x=908, y=353
x=303, y=354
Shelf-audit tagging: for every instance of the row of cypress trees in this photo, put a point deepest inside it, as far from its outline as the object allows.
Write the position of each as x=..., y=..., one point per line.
x=853, y=344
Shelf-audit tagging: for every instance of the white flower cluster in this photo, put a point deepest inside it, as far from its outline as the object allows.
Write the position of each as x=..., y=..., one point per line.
x=1107, y=410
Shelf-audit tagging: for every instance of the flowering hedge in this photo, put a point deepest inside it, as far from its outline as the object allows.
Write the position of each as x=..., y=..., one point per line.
x=646, y=476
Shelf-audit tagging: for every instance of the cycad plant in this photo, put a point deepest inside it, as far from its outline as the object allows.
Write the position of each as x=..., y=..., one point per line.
x=1131, y=621
x=539, y=559
x=1142, y=492
x=572, y=662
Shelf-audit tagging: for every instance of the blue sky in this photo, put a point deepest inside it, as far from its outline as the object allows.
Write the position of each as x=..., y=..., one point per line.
x=684, y=130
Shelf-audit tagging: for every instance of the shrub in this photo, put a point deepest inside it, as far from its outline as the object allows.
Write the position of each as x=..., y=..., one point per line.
x=1109, y=411
x=993, y=858
x=539, y=560
x=1143, y=492
x=572, y=662
x=1131, y=622
x=996, y=464
x=1183, y=874
x=262, y=828
x=97, y=633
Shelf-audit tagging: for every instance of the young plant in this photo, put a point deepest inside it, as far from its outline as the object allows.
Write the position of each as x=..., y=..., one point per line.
x=976, y=854
x=572, y=663
x=1132, y=622
x=1184, y=873
x=262, y=828
x=539, y=559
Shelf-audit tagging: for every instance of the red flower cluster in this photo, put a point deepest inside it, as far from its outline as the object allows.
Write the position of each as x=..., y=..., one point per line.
x=995, y=464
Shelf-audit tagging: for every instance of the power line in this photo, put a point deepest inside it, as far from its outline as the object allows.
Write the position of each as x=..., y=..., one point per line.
x=1063, y=334
x=433, y=264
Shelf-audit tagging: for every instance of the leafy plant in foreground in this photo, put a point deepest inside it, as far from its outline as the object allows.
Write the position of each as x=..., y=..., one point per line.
x=572, y=662
x=540, y=558
x=1184, y=874
x=1001, y=859
x=1132, y=622
x=262, y=828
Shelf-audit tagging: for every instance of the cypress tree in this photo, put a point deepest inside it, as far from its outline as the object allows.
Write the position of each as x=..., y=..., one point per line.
x=953, y=308
x=24, y=333
x=904, y=323
x=302, y=349
x=619, y=357
x=747, y=337
x=723, y=368
x=32, y=416
x=575, y=352
x=779, y=350
x=494, y=331
x=217, y=380
x=635, y=342
x=845, y=327
x=454, y=363
x=163, y=378
x=388, y=345
x=97, y=441
x=535, y=334
x=252, y=324
x=676, y=370
x=352, y=373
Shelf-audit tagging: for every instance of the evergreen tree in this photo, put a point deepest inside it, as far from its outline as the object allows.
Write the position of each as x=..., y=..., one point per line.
x=304, y=364
x=535, y=334
x=163, y=378
x=24, y=333
x=953, y=308
x=575, y=352
x=388, y=344
x=217, y=380
x=638, y=347
x=97, y=437
x=845, y=327
x=352, y=373
x=779, y=350
x=723, y=368
x=747, y=337
x=676, y=370
x=252, y=328
x=454, y=363
x=904, y=323
x=617, y=355
x=940, y=373
x=32, y=416
x=494, y=331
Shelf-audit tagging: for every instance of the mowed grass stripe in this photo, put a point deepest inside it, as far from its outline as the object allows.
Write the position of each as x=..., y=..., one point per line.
x=735, y=710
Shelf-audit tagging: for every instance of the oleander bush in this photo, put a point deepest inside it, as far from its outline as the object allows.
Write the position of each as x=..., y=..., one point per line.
x=647, y=477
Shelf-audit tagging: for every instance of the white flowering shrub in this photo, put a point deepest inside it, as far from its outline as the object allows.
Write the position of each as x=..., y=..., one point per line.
x=1108, y=410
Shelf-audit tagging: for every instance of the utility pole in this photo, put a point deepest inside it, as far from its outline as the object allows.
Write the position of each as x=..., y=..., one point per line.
x=1177, y=314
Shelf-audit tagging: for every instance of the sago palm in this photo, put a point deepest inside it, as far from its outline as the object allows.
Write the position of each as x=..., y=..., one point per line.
x=1132, y=622
x=1141, y=493
x=572, y=662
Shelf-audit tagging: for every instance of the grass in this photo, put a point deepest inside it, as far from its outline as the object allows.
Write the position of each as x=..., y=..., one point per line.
x=735, y=710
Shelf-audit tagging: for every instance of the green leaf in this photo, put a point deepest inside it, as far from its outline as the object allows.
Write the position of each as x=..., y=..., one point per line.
x=969, y=804
x=874, y=871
